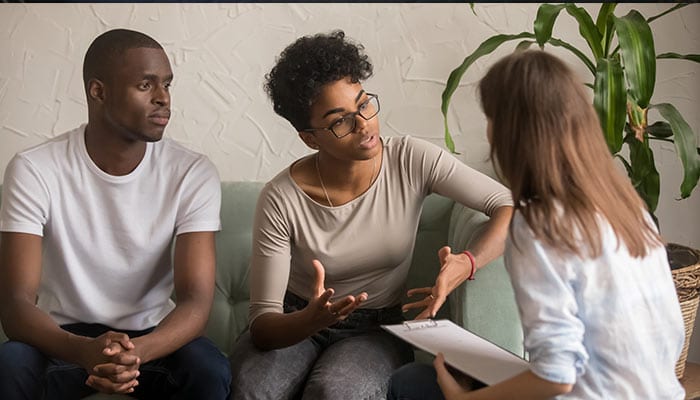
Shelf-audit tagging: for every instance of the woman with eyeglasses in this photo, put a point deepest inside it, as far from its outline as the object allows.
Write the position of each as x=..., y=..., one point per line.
x=334, y=234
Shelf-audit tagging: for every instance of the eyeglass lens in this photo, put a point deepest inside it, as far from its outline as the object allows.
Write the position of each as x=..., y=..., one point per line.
x=367, y=110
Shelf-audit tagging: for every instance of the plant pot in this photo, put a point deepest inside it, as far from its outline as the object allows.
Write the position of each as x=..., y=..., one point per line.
x=685, y=269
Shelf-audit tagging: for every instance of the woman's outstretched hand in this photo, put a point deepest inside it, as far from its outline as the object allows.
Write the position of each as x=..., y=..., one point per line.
x=435, y=296
x=430, y=303
x=322, y=311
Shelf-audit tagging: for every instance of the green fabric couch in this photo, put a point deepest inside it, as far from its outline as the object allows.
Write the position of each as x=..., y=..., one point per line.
x=485, y=305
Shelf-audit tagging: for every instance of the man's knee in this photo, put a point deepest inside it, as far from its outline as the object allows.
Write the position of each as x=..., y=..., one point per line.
x=21, y=369
x=205, y=363
x=18, y=355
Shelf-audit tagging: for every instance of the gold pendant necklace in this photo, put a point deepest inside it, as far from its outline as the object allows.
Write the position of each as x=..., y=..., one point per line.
x=323, y=187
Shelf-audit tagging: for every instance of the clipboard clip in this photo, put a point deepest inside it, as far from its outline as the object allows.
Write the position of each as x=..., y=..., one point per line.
x=420, y=324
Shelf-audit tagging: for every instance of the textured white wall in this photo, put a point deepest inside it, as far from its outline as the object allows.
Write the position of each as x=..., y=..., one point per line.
x=220, y=53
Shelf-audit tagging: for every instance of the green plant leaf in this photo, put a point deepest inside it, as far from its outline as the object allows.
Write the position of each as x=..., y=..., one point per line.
x=486, y=47
x=626, y=163
x=601, y=21
x=587, y=29
x=575, y=51
x=544, y=21
x=686, y=145
x=660, y=129
x=691, y=57
x=644, y=176
x=605, y=25
x=674, y=8
x=638, y=56
x=524, y=45
x=636, y=115
x=609, y=100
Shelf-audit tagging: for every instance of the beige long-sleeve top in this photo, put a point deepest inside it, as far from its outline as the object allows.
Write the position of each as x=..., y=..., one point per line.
x=366, y=244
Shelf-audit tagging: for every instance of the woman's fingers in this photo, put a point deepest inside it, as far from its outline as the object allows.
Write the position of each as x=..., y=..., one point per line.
x=423, y=290
x=320, y=278
x=349, y=304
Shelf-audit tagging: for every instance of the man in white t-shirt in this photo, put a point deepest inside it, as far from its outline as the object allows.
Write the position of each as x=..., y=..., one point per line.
x=87, y=265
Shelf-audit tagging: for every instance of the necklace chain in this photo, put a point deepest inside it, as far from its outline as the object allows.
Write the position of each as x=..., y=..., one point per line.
x=325, y=192
x=318, y=172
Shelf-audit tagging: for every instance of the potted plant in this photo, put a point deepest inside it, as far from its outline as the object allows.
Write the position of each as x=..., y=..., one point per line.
x=623, y=66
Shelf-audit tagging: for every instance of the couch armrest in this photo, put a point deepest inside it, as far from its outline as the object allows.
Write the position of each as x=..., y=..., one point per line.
x=486, y=305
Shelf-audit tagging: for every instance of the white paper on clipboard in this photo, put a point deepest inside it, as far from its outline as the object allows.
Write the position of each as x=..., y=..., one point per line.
x=469, y=353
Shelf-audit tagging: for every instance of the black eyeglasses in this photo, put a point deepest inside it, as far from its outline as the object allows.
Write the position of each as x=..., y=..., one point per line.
x=345, y=125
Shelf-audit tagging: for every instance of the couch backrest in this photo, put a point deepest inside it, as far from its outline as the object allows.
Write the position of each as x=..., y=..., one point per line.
x=229, y=313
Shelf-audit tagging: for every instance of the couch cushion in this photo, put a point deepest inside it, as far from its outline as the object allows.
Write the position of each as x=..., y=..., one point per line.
x=229, y=314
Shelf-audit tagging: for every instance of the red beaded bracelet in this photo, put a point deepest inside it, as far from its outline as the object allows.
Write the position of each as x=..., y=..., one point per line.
x=473, y=263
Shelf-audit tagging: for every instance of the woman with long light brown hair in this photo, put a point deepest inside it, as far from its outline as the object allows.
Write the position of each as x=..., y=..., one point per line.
x=591, y=277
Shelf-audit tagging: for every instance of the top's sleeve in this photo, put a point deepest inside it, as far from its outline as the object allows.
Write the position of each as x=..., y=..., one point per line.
x=544, y=290
x=440, y=172
x=271, y=255
x=25, y=199
x=200, y=205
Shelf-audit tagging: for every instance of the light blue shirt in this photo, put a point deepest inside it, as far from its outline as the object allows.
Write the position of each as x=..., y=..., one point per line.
x=612, y=325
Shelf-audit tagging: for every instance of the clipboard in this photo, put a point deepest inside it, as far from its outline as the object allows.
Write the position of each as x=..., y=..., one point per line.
x=463, y=350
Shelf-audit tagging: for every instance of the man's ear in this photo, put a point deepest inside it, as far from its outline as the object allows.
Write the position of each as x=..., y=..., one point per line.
x=96, y=90
x=310, y=139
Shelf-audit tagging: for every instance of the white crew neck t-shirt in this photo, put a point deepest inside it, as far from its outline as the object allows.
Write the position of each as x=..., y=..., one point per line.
x=107, y=239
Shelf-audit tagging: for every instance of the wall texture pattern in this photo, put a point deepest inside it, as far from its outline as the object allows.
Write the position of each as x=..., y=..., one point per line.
x=221, y=52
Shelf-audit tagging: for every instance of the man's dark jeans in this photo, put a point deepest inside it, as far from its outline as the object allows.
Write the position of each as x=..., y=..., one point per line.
x=198, y=370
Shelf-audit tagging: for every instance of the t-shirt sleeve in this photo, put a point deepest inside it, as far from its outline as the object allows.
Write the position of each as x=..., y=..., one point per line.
x=200, y=205
x=544, y=286
x=25, y=199
x=440, y=172
x=271, y=255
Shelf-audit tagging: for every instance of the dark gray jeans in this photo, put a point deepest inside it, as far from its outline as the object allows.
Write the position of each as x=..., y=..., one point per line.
x=352, y=359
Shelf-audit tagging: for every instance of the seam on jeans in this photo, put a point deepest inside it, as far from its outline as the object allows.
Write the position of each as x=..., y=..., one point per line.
x=161, y=370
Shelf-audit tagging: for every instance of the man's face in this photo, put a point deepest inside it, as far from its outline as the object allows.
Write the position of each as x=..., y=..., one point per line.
x=137, y=95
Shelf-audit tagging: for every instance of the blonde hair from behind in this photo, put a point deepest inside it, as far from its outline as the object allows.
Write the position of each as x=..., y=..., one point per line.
x=547, y=143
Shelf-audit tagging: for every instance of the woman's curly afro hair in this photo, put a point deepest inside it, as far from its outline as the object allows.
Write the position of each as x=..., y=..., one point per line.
x=308, y=64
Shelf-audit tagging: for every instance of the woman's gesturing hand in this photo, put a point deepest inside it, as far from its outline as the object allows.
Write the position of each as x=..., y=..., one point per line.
x=454, y=269
x=323, y=312
x=430, y=304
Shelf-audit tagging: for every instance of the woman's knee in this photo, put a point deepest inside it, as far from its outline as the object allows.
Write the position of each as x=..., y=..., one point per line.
x=274, y=374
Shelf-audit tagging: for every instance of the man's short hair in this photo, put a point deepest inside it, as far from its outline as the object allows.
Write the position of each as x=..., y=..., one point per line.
x=106, y=49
